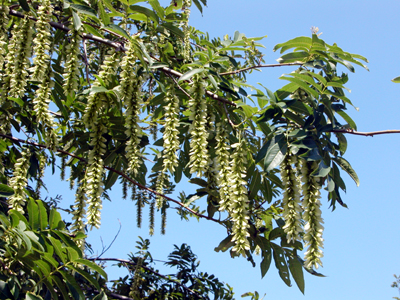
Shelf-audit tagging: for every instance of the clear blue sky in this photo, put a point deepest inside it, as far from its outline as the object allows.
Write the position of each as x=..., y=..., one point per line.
x=362, y=243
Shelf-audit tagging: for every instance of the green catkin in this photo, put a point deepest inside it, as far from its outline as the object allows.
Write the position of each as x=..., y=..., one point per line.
x=79, y=211
x=43, y=116
x=94, y=174
x=17, y=59
x=42, y=167
x=42, y=41
x=170, y=136
x=4, y=10
x=291, y=199
x=131, y=87
x=71, y=68
x=151, y=216
x=312, y=215
x=19, y=181
x=161, y=183
x=239, y=203
x=222, y=165
x=198, y=115
x=163, y=219
x=96, y=101
x=186, y=30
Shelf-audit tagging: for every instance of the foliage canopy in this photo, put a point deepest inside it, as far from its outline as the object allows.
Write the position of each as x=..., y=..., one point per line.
x=87, y=86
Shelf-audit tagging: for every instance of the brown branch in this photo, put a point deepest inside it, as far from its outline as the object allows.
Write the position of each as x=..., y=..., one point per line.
x=128, y=262
x=260, y=66
x=17, y=140
x=372, y=133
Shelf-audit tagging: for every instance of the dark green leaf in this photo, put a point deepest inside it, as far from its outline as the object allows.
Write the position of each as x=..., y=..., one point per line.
x=275, y=153
x=296, y=269
x=143, y=10
x=33, y=212
x=92, y=266
x=280, y=263
x=345, y=165
x=24, y=5
x=118, y=30
x=5, y=190
x=83, y=9
x=322, y=170
x=190, y=74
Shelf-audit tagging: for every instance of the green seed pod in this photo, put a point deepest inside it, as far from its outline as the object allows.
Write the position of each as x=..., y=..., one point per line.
x=19, y=181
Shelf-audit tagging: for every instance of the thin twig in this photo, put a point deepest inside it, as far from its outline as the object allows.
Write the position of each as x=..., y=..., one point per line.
x=112, y=242
x=17, y=140
x=261, y=66
x=128, y=262
x=372, y=133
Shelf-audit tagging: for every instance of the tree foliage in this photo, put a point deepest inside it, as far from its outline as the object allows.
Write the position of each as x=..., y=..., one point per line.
x=87, y=86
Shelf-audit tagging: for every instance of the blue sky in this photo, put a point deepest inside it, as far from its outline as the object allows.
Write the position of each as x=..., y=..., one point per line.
x=361, y=243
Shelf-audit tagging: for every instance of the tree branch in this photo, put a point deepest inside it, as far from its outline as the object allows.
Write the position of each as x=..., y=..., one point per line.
x=17, y=140
x=128, y=262
x=260, y=66
x=372, y=133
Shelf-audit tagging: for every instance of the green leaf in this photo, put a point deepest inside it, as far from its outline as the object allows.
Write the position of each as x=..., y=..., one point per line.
x=303, y=42
x=42, y=215
x=303, y=85
x=293, y=57
x=189, y=74
x=396, y=79
x=5, y=190
x=86, y=275
x=77, y=20
x=54, y=218
x=345, y=165
x=275, y=153
x=143, y=10
x=112, y=9
x=296, y=269
x=103, y=15
x=101, y=296
x=73, y=286
x=83, y=9
x=58, y=249
x=347, y=118
x=118, y=30
x=280, y=263
x=33, y=213
x=225, y=244
x=92, y=266
x=24, y=5
x=322, y=170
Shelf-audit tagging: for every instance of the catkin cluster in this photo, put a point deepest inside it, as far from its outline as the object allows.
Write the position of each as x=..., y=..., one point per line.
x=312, y=215
x=222, y=165
x=131, y=83
x=71, y=68
x=186, y=30
x=291, y=199
x=239, y=202
x=170, y=136
x=198, y=115
x=19, y=181
x=3, y=37
x=93, y=119
x=17, y=59
x=42, y=41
